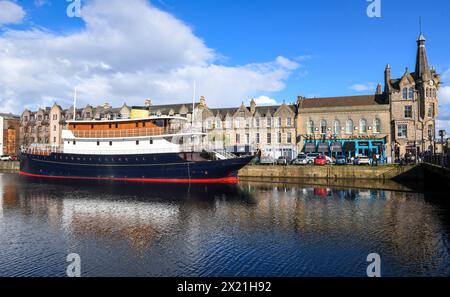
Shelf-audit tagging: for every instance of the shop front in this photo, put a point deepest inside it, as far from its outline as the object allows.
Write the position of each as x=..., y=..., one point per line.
x=347, y=147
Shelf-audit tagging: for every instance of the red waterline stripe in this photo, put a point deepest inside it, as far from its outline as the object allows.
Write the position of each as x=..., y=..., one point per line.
x=225, y=180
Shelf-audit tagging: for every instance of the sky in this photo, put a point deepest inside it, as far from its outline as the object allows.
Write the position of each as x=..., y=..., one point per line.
x=234, y=50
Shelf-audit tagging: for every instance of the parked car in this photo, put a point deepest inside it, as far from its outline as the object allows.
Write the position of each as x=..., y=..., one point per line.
x=329, y=159
x=362, y=160
x=14, y=158
x=266, y=160
x=310, y=157
x=321, y=160
x=5, y=158
x=300, y=160
x=283, y=160
x=341, y=160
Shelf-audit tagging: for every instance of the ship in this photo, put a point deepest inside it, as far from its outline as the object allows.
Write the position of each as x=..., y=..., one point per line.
x=156, y=149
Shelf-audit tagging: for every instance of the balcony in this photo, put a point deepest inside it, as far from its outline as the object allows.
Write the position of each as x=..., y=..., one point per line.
x=123, y=133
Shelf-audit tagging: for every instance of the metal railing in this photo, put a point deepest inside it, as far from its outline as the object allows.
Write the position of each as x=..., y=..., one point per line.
x=137, y=132
x=442, y=160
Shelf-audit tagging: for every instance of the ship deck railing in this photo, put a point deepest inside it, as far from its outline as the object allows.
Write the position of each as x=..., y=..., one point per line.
x=125, y=133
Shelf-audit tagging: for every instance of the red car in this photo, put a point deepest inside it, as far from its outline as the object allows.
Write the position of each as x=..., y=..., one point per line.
x=14, y=158
x=320, y=160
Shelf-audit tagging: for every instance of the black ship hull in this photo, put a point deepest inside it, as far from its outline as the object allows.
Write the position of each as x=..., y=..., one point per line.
x=158, y=168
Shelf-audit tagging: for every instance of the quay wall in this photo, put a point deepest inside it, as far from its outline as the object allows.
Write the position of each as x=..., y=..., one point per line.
x=334, y=172
x=10, y=166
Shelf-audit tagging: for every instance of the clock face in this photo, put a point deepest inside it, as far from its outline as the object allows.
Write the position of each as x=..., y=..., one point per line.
x=431, y=82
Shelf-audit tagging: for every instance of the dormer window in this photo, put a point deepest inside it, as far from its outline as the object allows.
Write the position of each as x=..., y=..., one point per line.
x=405, y=93
x=411, y=93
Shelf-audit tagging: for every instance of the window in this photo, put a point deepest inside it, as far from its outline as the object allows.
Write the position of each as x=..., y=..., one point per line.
x=26, y=119
x=209, y=125
x=117, y=126
x=151, y=141
x=54, y=128
x=323, y=127
x=279, y=138
x=269, y=122
x=402, y=131
x=336, y=127
x=430, y=111
x=237, y=123
x=54, y=139
x=289, y=122
x=405, y=93
x=257, y=138
x=218, y=124
x=289, y=137
x=411, y=93
x=247, y=138
x=257, y=122
x=310, y=127
x=269, y=138
x=55, y=117
x=408, y=111
x=430, y=132
x=110, y=143
x=74, y=142
x=98, y=143
x=137, y=142
x=279, y=122
x=238, y=138
x=376, y=126
x=428, y=92
x=349, y=127
x=362, y=126
x=110, y=126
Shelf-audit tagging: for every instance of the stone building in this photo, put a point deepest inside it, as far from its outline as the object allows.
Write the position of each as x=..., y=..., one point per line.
x=245, y=129
x=9, y=134
x=394, y=122
x=44, y=127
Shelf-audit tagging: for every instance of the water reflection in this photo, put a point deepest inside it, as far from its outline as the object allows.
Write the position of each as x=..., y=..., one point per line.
x=250, y=229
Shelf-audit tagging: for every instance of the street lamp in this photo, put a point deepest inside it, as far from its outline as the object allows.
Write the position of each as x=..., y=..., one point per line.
x=442, y=134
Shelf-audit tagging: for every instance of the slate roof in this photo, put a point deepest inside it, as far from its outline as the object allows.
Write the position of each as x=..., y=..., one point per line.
x=345, y=101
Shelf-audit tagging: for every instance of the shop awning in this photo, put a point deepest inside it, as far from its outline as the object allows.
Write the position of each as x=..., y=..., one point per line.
x=349, y=146
x=336, y=147
x=310, y=147
x=323, y=147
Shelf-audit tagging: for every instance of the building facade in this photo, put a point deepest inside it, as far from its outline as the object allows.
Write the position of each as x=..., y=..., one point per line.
x=397, y=121
x=9, y=134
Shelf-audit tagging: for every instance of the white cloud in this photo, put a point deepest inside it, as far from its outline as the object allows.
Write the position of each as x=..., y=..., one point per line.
x=444, y=95
x=265, y=100
x=10, y=13
x=128, y=51
x=363, y=87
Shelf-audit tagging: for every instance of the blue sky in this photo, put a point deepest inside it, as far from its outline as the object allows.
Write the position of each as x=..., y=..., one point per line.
x=329, y=47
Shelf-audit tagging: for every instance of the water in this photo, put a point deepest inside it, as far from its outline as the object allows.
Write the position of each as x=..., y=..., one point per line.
x=250, y=229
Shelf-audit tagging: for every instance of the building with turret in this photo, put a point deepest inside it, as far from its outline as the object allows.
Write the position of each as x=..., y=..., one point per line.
x=399, y=120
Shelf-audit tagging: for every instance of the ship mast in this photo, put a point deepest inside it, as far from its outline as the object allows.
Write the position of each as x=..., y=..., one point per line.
x=75, y=104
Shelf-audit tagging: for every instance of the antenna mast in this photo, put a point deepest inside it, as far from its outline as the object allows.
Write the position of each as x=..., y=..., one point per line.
x=75, y=105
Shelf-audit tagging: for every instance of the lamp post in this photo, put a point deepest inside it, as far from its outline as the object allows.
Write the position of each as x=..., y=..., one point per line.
x=442, y=134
